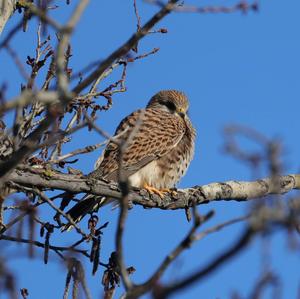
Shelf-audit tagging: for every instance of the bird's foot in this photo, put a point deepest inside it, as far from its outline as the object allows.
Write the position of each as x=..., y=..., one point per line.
x=152, y=190
x=172, y=191
x=161, y=193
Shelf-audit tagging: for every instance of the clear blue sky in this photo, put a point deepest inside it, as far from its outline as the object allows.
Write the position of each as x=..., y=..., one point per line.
x=235, y=69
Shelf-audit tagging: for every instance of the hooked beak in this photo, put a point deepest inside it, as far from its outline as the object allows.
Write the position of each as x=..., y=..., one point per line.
x=181, y=112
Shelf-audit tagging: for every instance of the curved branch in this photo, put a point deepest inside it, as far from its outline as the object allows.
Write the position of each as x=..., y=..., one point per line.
x=220, y=260
x=230, y=190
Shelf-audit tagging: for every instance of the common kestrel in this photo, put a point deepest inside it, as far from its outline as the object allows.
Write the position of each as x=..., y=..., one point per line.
x=159, y=150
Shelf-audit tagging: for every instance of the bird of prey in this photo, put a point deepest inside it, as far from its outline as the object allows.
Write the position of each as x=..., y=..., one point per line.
x=160, y=148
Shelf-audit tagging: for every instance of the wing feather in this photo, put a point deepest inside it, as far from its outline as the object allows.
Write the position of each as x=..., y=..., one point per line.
x=158, y=132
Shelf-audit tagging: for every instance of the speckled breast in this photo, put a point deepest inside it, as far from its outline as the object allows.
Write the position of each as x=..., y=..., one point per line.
x=174, y=165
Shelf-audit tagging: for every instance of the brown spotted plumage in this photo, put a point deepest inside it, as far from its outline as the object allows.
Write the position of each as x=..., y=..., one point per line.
x=159, y=152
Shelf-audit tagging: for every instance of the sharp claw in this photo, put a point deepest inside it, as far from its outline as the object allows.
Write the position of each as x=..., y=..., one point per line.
x=152, y=190
x=172, y=191
x=161, y=193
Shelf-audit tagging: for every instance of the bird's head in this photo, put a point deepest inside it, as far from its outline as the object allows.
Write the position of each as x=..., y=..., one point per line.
x=172, y=101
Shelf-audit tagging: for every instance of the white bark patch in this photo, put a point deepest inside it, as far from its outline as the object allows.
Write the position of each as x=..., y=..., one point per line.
x=7, y=8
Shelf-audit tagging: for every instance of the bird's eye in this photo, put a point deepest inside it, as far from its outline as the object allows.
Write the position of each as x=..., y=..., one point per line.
x=171, y=106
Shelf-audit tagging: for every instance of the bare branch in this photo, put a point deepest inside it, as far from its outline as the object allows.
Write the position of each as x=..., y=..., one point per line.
x=87, y=149
x=57, y=249
x=124, y=205
x=240, y=244
x=230, y=190
x=125, y=48
x=7, y=8
x=242, y=6
x=29, y=96
x=58, y=210
x=138, y=18
x=32, y=8
x=65, y=34
x=139, y=290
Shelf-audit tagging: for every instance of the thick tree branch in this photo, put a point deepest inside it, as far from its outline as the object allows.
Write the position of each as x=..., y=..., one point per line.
x=230, y=190
x=7, y=8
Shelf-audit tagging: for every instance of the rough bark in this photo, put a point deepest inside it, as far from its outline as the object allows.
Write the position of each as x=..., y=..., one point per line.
x=230, y=190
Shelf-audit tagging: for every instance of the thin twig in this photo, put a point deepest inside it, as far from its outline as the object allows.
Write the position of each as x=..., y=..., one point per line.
x=58, y=210
x=138, y=18
x=244, y=239
x=57, y=249
x=125, y=48
x=124, y=204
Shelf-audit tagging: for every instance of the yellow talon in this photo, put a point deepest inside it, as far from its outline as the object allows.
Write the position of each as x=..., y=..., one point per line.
x=161, y=193
x=172, y=191
x=152, y=190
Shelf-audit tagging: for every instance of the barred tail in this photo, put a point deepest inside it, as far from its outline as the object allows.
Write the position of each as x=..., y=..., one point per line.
x=88, y=204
